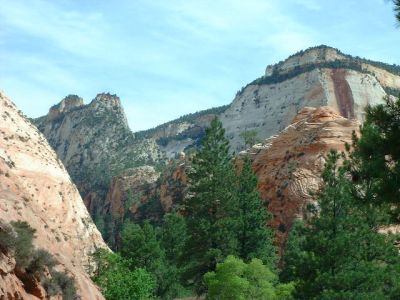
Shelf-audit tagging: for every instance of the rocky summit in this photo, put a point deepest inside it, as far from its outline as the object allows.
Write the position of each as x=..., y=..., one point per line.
x=95, y=143
x=36, y=188
x=105, y=159
x=320, y=76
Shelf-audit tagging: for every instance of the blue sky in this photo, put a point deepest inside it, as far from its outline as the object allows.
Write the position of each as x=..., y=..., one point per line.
x=166, y=58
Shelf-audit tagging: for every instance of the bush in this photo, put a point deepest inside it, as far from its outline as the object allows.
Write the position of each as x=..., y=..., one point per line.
x=23, y=248
x=7, y=238
x=118, y=281
x=60, y=283
x=40, y=259
x=236, y=280
x=18, y=239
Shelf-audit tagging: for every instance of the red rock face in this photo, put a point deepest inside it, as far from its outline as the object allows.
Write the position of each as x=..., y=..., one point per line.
x=343, y=93
x=288, y=166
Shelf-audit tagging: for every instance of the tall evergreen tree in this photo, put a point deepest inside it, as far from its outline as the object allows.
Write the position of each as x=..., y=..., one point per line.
x=376, y=155
x=345, y=257
x=210, y=207
x=255, y=238
x=140, y=245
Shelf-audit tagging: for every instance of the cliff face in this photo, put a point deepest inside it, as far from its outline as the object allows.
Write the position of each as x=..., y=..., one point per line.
x=36, y=188
x=288, y=165
x=320, y=76
x=95, y=143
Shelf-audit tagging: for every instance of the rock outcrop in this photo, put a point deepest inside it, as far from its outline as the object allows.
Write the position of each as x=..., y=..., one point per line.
x=36, y=188
x=319, y=76
x=95, y=143
x=288, y=165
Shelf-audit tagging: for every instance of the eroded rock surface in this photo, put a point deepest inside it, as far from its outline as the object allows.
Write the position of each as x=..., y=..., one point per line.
x=36, y=188
x=289, y=165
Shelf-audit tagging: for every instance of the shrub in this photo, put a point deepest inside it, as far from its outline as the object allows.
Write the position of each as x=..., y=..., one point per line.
x=118, y=281
x=23, y=248
x=18, y=239
x=236, y=280
x=7, y=238
x=40, y=259
x=60, y=283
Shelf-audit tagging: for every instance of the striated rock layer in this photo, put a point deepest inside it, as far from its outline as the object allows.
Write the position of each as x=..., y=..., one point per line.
x=288, y=165
x=36, y=188
x=316, y=77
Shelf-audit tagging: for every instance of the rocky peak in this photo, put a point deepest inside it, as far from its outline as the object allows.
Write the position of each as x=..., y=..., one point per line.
x=313, y=55
x=106, y=100
x=66, y=105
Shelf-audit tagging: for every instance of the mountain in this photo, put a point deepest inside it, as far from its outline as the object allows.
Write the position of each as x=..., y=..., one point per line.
x=36, y=188
x=95, y=143
x=319, y=76
x=105, y=158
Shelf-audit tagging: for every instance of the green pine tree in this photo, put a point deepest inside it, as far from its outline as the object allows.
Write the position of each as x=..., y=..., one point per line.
x=294, y=252
x=376, y=155
x=211, y=207
x=140, y=245
x=255, y=238
x=345, y=257
x=173, y=236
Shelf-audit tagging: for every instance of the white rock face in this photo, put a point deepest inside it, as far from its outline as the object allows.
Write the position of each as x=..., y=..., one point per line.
x=36, y=188
x=269, y=108
x=316, y=55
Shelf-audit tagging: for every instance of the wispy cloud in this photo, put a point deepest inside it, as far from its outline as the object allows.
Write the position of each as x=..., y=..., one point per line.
x=167, y=58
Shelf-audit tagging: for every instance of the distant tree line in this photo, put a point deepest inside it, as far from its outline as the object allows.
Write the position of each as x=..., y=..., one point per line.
x=350, y=62
x=191, y=118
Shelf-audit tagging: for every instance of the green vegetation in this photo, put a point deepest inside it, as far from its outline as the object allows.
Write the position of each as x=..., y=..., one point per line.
x=221, y=215
x=343, y=256
x=218, y=244
x=210, y=207
x=115, y=276
x=223, y=211
x=254, y=238
x=236, y=280
x=191, y=118
x=397, y=9
x=16, y=239
x=340, y=253
x=250, y=137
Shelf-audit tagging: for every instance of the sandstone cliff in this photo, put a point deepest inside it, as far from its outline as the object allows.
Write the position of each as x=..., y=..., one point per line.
x=319, y=76
x=288, y=165
x=36, y=188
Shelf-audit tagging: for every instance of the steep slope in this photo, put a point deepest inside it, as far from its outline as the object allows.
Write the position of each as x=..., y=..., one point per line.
x=95, y=143
x=36, y=188
x=288, y=165
x=320, y=76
